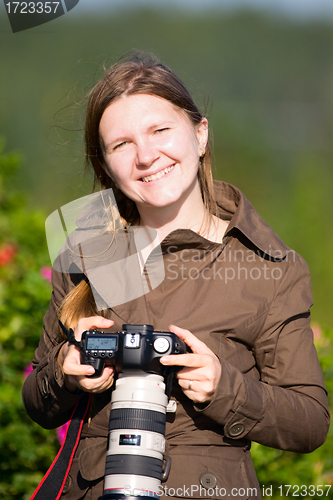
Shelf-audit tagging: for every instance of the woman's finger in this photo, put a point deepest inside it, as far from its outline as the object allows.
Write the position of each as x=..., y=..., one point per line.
x=90, y=324
x=73, y=366
x=196, y=345
x=100, y=384
x=189, y=360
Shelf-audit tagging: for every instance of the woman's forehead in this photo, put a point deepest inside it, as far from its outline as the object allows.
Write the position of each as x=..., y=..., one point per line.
x=142, y=109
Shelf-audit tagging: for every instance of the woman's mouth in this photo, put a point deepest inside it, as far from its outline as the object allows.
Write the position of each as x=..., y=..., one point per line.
x=158, y=175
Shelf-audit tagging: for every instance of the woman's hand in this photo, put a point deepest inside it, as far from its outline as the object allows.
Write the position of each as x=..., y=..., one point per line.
x=77, y=375
x=202, y=369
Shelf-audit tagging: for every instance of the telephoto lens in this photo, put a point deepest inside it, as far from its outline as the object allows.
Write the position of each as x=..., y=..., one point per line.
x=136, y=438
x=134, y=462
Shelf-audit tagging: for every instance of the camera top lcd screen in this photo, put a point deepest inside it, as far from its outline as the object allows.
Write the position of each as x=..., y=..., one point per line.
x=102, y=343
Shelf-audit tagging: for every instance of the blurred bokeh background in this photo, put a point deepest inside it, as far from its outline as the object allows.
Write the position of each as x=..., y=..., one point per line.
x=261, y=71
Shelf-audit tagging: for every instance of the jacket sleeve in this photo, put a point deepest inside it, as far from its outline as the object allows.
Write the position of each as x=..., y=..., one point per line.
x=287, y=408
x=45, y=396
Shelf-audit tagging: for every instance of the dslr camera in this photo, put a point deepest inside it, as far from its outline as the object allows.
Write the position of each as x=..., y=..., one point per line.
x=135, y=465
x=136, y=347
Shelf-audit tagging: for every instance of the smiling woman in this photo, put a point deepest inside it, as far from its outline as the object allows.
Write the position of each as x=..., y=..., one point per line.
x=232, y=291
x=152, y=152
x=142, y=123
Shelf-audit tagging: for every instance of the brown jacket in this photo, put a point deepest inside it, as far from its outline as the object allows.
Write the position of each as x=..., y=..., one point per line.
x=248, y=299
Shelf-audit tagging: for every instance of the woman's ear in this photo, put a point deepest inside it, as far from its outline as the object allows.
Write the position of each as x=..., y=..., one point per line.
x=202, y=135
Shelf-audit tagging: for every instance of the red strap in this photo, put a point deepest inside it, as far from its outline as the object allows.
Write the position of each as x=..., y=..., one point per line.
x=53, y=482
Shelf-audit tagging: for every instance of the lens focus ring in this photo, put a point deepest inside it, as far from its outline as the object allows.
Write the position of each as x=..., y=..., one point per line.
x=137, y=418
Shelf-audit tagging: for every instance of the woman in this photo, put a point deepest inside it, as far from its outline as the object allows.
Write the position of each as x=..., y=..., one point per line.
x=236, y=295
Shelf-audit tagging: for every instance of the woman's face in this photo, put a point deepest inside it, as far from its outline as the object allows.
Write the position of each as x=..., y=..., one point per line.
x=152, y=150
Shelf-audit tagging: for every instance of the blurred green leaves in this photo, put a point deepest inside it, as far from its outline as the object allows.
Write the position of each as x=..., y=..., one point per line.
x=27, y=449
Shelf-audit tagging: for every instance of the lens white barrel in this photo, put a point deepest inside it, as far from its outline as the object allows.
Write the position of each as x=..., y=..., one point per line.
x=126, y=441
x=135, y=486
x=136, y=439
x=146, y=390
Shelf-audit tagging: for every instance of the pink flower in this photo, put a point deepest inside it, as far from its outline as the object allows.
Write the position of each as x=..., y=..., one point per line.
x=61, y=432
x=7, y=253
x=27, y=370
x=46, y=273
x=317, y=333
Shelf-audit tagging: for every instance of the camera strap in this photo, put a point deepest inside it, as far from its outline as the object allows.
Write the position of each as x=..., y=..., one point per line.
x=54, y=480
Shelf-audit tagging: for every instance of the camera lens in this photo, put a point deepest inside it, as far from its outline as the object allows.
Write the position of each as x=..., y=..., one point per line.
x=134, y=459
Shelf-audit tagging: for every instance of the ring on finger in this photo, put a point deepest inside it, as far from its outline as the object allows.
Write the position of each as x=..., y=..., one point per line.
x=190, y=385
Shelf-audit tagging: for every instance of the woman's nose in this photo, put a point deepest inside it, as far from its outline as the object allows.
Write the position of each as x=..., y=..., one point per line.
x=146, y=154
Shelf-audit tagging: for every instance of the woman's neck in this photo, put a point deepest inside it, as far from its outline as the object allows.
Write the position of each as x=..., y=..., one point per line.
x=189, y=215
x=196, y=217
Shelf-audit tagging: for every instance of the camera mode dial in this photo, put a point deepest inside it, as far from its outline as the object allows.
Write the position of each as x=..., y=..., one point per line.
x=161, y=345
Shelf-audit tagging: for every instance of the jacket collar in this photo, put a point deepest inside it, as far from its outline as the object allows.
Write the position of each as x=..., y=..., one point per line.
x=233, y=206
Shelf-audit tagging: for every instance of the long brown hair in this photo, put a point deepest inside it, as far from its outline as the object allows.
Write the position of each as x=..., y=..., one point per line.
x=134, y=73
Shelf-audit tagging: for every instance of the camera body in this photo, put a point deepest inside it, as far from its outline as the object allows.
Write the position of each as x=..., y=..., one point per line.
x=136, y=347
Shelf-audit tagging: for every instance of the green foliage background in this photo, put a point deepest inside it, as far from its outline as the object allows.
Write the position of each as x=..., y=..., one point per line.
x=26, y=448
x=267, y=85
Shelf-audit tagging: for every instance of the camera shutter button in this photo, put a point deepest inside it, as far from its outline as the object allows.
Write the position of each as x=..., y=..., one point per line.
x=161, y=345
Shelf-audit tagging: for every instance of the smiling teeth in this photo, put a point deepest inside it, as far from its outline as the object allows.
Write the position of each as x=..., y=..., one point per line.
x=156, y=176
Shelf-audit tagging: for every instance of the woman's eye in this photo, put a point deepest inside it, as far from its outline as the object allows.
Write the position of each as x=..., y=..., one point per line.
x=162, y=129
x=118, y=146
